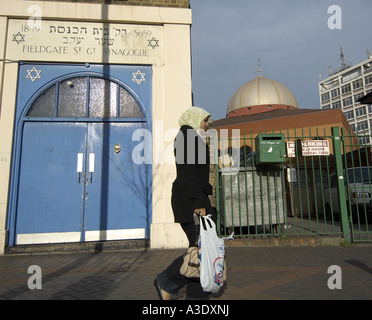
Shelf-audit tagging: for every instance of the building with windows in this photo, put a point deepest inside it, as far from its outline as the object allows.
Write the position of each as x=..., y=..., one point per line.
x=343, y=89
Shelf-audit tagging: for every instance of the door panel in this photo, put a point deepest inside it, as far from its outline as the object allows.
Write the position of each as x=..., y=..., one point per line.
x=116, y=193
x=49, y=196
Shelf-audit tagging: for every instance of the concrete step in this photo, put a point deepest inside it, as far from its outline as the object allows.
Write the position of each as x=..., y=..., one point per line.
x=92, y=247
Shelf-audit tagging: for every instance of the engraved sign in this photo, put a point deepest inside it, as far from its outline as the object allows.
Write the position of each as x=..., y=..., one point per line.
x=85, y=42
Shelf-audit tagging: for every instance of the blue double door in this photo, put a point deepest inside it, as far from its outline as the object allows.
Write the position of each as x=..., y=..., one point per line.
x=84, y=187
x=79, y=180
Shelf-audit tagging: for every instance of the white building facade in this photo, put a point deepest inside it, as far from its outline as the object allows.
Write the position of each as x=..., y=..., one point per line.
x=342, y=89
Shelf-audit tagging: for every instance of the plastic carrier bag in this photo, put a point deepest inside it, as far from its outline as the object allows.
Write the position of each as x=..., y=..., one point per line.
x=211, y=255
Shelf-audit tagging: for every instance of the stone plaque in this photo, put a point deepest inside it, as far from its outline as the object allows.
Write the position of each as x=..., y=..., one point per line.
x=85, y=42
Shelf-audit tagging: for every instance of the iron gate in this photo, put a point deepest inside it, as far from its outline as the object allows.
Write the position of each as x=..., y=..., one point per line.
x=311, y=193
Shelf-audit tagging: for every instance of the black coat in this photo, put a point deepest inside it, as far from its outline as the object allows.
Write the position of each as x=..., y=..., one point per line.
x=191, y=188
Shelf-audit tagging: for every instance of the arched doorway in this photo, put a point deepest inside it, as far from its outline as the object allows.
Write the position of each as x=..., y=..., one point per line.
x=74, y=178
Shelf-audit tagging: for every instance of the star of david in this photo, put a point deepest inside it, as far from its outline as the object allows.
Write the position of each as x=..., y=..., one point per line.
x=153, y=43
x=138, y=76
x=31, y=76
x=19, y=37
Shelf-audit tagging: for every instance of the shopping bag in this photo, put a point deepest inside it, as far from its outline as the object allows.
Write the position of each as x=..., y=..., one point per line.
x=211, y=256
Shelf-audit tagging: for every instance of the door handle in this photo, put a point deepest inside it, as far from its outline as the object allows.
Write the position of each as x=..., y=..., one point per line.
x=91, y=166
x=79, y=169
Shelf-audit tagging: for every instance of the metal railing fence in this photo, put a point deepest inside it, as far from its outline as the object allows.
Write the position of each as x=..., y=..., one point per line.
x=310, y=193
x=358, y=174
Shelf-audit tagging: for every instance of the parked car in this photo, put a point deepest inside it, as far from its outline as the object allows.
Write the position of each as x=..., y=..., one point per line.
x=358, y=189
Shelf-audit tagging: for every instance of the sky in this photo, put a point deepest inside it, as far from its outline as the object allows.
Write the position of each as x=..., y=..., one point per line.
x=291, y=38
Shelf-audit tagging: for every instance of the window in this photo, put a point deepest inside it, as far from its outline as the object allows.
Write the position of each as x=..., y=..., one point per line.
x=346, y=88
x=347, y=102
x=325, y=96
x=336, y=105
x=44, y=105
x=364, y=140
x=129, y=107
x=361, y=126
x=328, y=106
x=102, y=98
x=335, y=93
x=368, y=79
x=349, y=115
x=72, y=98
x=86, y=97
x=357, y=84
x=360, y=111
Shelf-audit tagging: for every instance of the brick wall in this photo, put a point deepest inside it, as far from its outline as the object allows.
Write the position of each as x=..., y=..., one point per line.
x=151, y=3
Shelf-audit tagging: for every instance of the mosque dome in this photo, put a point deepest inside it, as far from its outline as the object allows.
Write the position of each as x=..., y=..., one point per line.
x=260, y=95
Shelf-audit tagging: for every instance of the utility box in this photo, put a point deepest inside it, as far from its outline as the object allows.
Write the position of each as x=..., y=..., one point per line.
x=253, y=198
x=270, y=148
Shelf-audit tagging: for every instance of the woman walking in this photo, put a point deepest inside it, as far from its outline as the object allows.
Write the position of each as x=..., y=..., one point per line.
x=190, y=192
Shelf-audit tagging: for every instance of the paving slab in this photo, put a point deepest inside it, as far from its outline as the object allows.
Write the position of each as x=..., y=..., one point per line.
x=253, y=273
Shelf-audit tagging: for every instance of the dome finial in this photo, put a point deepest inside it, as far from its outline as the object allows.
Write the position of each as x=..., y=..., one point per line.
x=259, y=68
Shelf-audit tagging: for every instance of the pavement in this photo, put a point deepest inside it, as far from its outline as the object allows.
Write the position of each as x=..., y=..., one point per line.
x=253, y=273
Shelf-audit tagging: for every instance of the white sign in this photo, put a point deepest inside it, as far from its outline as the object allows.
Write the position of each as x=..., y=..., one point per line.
x=91, y=162
x=309, y=148
x=79, y=168
x=291, y=175
x=85, y=42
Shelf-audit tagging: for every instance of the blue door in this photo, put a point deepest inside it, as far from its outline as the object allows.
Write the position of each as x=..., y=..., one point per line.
x=73, y=173
x=49, y=197
x=114, y=183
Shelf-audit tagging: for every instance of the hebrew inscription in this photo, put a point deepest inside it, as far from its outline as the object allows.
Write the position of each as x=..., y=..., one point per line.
x=85, y=42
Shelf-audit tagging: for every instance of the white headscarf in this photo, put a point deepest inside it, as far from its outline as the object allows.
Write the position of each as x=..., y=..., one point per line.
x=193, y=117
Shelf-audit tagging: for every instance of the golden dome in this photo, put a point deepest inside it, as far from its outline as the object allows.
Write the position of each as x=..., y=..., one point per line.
x=261, y=91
